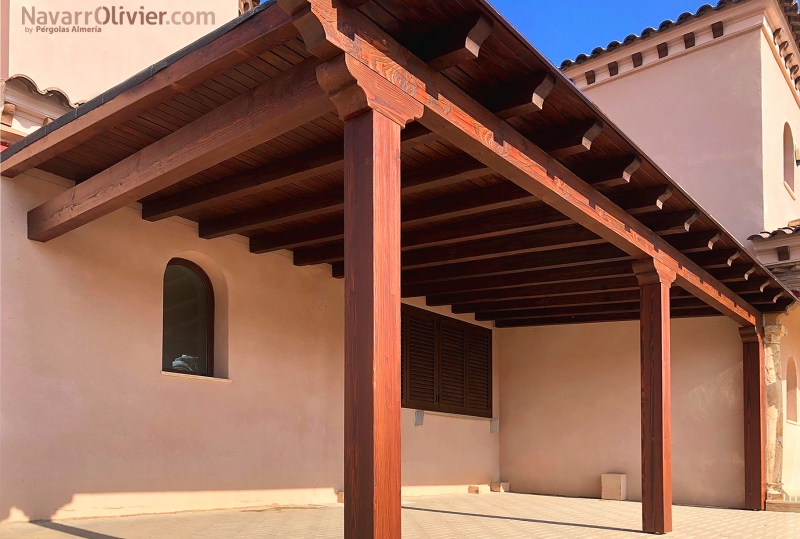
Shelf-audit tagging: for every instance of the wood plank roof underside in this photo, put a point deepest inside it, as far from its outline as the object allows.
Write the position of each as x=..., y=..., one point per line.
x=470, y=238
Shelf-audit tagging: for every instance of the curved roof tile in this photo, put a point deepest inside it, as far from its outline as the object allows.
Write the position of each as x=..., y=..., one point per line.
x=790, y=8
x=52, y=91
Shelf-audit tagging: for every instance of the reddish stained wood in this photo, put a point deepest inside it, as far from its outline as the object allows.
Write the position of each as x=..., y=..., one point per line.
x=261, y=32
x=372, y=327
x=453, y=114
x=655, y=281
x=280, y=105
x=755, y=486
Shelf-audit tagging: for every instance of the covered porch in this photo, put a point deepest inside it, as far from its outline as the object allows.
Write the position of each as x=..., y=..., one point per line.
x=422, y=150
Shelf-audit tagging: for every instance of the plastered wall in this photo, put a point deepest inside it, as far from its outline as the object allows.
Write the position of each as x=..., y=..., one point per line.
x=89, y=426
x=571, y=409
x=699, y=117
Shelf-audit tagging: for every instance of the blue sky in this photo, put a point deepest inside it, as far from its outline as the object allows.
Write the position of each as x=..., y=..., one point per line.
x=563, y=29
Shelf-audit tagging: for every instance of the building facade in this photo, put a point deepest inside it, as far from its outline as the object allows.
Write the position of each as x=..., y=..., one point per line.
x=97, y=419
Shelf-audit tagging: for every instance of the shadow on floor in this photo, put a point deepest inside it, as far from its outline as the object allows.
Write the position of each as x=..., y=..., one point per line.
x=532, y=520
x=71, y=530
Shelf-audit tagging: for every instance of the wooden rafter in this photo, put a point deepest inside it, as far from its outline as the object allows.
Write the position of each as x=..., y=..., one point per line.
x=270, y=29
x=465, y=123
x=454, y=44
x=283, y=103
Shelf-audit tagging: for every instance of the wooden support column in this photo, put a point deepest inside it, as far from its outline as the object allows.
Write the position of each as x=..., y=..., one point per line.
x=655, y=281
x=373, y=122
x=755, y=482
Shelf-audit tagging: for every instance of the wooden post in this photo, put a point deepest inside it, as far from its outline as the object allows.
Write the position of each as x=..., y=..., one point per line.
x=755, y=485
x=373, y=122
x=655, y=281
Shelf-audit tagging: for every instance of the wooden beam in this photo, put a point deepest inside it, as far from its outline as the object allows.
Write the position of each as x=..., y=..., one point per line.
x=572, y=140
x=611, y=173
x=522, y=99
x=270, y=176
x=780, y=306
x=452, y=170
x=700, y=241
x=735, y=273
x=285, y=102
x=516, y=263
x=612, y=316
x=558, y=312
x=276, y=174
x=467, y=250
x=670, y=223
x=756, y=285
x=637, y=201
x=453, y=114
x=612, y=284
x=559, y=275
x=266, y=30
x=655, y=281
x=603, y=298
x=755, y=486
x=722, y=258
x=455, y=43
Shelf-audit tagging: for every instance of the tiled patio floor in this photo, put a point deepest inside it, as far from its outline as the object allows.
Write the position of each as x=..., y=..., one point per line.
x=440, y=517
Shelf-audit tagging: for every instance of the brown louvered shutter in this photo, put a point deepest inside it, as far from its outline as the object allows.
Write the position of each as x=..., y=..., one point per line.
x=403, y=358
x=452, y=367
x=421, y=342
x=479, y=372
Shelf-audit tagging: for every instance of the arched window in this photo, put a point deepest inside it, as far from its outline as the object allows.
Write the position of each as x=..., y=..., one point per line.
x=789, y=163
x=188, y=319
x=792, y=391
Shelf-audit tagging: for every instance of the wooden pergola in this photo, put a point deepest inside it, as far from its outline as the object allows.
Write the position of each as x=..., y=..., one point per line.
x=422, y=149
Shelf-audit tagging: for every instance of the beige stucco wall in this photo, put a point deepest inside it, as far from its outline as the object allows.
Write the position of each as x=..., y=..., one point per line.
x=779, y=108
x=790, y=349
x=698, y=116
x=90, y=426
x=85, y=64
x=571, y=409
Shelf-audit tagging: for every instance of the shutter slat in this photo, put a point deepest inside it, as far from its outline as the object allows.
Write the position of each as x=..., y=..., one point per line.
x=421, y=360
x=479, y=371
x=452, y=348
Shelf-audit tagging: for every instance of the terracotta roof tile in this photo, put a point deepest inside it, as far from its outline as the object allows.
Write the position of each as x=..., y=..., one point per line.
x=790, y=9
x=771, y=235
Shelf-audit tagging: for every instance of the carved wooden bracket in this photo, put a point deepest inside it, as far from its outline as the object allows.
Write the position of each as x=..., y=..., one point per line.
x=652, y=271
x=355, y=89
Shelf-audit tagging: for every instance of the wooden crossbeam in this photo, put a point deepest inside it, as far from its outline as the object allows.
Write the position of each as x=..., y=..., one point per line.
x=611, y=173
x=602, y=298
x=459, y=119
x=635, y=201
x=735, y=273
x=716, y=259
x=455, y=43
x=549, y=312
x=276, y=174
x=571, y=140
x=259, y=33
x=702, y=240
x=283, y=103
x=521, y=99
x=670, y=223
x=468, y=250
x=611, y=284
x=597, y=318
x=756, y=285
x=602, y=270
x=453, y=170
x=515, y=263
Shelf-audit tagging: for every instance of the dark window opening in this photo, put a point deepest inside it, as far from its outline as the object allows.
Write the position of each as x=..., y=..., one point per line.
x=446, y=364
x=188, y=345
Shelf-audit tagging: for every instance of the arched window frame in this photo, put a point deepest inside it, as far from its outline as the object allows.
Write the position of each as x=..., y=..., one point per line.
x=789, y=159
x=792, y=396
x=210, y=320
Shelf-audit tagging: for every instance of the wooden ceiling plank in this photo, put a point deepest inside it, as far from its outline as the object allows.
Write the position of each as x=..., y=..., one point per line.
x=285, y=103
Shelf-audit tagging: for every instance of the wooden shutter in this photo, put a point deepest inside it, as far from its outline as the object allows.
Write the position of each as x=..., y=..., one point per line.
x=452, y=367
x=479, y=372
x=421, y=342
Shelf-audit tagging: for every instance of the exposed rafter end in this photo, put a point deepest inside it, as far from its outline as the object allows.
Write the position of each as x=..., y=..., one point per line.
x=455, y=43
x=613, y=173
x=670, y=223
x=522, y=99
x=577, y=139
x=337, y=270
